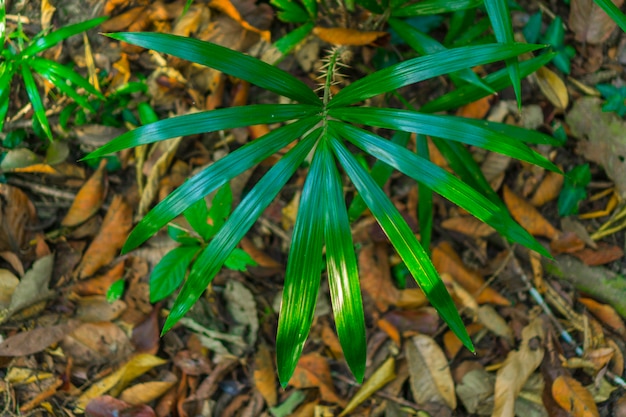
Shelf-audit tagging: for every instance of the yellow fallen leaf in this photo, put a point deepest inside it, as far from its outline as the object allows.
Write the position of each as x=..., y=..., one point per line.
x=553, y=87
x=146, y=392
x=383, y=375
x=571, y=396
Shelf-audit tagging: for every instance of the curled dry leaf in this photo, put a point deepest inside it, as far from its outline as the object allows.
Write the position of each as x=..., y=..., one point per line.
x=589, y=22
x=110, y=238
x=264, y=376
x=548, y=190
x=528, y=216
x=518, y=367
x=553, y=87
x=381, y=377
x=431, y=380
x=313, y=372
x=445, y=259
x=17, y=215
x=352, y=37
x=89, y=198
x=573, y=397
x=606, y=314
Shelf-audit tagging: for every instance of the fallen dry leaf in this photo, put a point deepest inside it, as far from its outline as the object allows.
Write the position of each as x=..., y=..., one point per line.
x=489, y=317
x=589, y=22
x=453, y=344
x=313, y=371
x=265, y=376
x=107, y=406
x=603, y=255
x=548, y=190
x=99, y=285
x=553, y=87
x=89, y=198
x=17, y=215
x=468, y=225
x=527, y=215
x=518, y=367
x=110, y=239
x=148, y=391
x=431, y=380
x=376, y=280
x=96, y=344
x=477, y=109
x=573, y=397
x=381, y=377
x=352, y=37
x=36, y=340
x=605, y=314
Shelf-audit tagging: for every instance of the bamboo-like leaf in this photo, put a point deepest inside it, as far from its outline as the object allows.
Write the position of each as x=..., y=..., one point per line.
x=448, y=127
x=226, y=60
x=425, y=198
x=500, y=17
x=381, y=173
x=170, y=272
x=425, y=67
x=614, y=12
x=498, y=80
x=5, y=85
x=402, y=238
x=33, y=94
x=210, y=260
x=206, y=121
x=293, y=38
x=215, y=176
x=440, y=181
x=57, y=36
x=430, y=7
x=343, y=274
x=304, y=267
x=425, y=45
x=45, y=66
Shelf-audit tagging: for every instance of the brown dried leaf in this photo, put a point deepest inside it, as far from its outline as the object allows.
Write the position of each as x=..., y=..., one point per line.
x=353, y=37
x=265, y=376
x=376, y=278
x=96, y=343
x=17, y=215
x=148, y=391
x=100, y=284
x=431, y=380
x=548, y=190
x=110, y=238
x=489, y=317
x=567, y=242
x=8, y=284
x=97, y=308
x=226, y=7
x=494, y=166
x=468, y=225
x=606, y=314
x=33, y=341
x=589, y=22
x=313, y=372
x=477, y=109
x=527, y=215
x=517, y=368
x=453, y=344
x=603, y=255
x=107, y=406
x=573, y=397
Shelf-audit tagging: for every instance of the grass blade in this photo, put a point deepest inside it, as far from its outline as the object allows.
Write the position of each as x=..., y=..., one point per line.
x=57, y=36
x=302, y=279
x=226, y=60
x=210, y=260
x=214, y=177
x=35, y=99
x=448, y=127
x=425, y=67
x=343, y=274
x=440, y=181
x=206, y=121
x=402, y=238
x=43, y=66
x=430, y=7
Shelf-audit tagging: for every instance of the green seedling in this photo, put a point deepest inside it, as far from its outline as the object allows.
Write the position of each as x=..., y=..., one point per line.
x=615, y=98
x=574, y=190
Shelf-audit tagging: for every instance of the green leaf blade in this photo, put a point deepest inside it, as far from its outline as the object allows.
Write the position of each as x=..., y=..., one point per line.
x=213, y=177
x=170, y=272
x=430, y=7
x=57, y=36
x=402, y=238
x=226, y=60
x=33, y=95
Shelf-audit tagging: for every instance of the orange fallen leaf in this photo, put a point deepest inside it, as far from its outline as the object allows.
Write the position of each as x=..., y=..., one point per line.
x=330, y=339
x=264, y=375
x=89, y=198
x=453, y=344
x=148, y=391
x=570, y=395
x=446, y=260
x=528, y=216
x=344, y=36
x=603, y=255
x=390, y=329
x=606, y=314
x=477, y=109
x=567, y=242
x=548, y=190
x=110, y=238
x=226, y=7
x=376, y=278
x=313, y=371
x=17, y=214
x=468, y=225
x=100, y=284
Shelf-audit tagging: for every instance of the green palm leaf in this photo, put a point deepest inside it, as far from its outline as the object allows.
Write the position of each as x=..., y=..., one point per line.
x=214, y=177
x=425, y=67
x=206, y=121
x=402, y=238
x=226, y=60
x=210, y=260
x=57, y=36
x=430, y=7
x=449, y=127
x=35, y=99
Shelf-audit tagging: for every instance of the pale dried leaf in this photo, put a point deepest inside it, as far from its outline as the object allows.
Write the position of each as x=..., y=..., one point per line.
x=589, y=22
x=553, y=87
x=381, y=377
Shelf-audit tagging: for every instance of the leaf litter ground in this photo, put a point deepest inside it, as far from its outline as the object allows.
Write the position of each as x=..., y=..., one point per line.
x=67, y=347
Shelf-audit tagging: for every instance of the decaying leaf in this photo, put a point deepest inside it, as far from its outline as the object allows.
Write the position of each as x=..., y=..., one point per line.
x=17, y=215
x=148, y=391
x=468, y=225
x=36, y=340
x=352, y=37
x=489, y=317
x=431, y=380
x=589, y=22
x=573, y=397
x=381, y=377
x=553, y=87
x=89, y=198
x=313, y=372
x=241, y=305
x=265, y=376
x=528, y=216
x=548, y=189
x=96, y=344
x=518, y=367
x=606, y=314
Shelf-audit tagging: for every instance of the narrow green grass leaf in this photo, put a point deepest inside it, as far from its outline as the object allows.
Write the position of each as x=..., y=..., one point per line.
x=425, y=198
x=440, y=181
x=498, y=80
x=500, y=17
x=515, y=132
x=402, y=238
x=57, y=36
x=170, y=272
x=304, y=268
x=214, y=176
x=429, y=7
x=210, y=260
x=448, y=127
x=614, y=12
x=206, y=121
x=343, y=274
x=5, y=86
x=381, y=173
x=226, y=60
x=46, y=66
x=293, y=38
x=426, y=45
x=33, y=95
x=425, y=67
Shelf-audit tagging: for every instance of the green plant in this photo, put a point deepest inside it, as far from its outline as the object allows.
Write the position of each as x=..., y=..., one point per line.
x=553, y=36
x=325, y=126
x=169, y=274
x=574, y=189
x=19, y=57
x=615, y=98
